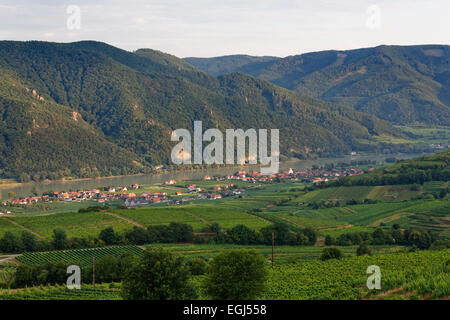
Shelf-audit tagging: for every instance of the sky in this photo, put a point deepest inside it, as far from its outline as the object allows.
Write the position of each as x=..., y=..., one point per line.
x=207, y=28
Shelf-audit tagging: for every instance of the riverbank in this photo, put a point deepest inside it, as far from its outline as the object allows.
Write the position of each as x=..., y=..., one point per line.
x=28, y=188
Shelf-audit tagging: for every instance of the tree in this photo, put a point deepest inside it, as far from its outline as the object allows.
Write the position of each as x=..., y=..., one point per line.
x=236, y=274
x=29, y=241
x=363, y=249
x=331, y=253
x=138, y=236
x=311, y=234
x=107, y=269
x=197, y=266
x=109, y=236
x=242, y=234
x=60, y=239
x=329, y=240
x=10, y=243
x=159, y=275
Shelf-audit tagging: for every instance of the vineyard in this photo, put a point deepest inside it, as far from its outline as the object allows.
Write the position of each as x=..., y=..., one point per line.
x=423, y=273
x=81, y=257
x=75, y=224
x=60, y=292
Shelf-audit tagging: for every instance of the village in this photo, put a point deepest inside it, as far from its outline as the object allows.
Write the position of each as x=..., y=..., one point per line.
x=134, y=195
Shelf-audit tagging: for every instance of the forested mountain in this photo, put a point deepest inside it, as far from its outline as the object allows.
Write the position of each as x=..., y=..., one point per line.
x=401, y=84
x=87, y=108
x=228, y=64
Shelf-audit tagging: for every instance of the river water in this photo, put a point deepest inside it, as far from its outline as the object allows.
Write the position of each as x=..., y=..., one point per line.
x=26, y=189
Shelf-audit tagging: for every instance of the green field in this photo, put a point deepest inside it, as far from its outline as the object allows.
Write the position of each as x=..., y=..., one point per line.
x=75, y=224
x=60, y=292
x=196, y=215
x=421, y=272
x=6, y=226
x=282, y=254
x=80, y=257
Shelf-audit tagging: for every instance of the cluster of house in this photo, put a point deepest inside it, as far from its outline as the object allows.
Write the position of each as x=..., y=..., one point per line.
x=144, y=198
x=440, y=146
x=133, y=200
x=110, y=193
x=324, y=175
x=313, y=175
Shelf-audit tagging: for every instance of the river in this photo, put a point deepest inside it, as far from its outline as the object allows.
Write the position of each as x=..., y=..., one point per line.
x=26, y=189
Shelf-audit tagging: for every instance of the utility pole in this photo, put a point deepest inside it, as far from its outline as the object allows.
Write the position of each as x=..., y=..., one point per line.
x=93, y=272
x=273, y=240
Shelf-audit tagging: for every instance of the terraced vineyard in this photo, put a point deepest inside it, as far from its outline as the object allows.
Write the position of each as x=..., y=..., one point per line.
x=81, y=257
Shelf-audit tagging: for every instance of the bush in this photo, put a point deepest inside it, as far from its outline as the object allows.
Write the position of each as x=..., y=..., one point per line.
x=331, y=253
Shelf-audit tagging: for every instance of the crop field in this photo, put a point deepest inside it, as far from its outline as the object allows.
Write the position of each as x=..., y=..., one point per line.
x=429, y=135
x=226, y=218
x=403, y=276
x=346, y=278
x=81, y=257
x=162, y=216
x=50, y=207
x=301, y=221
x=282, y=254
x=75, y=224
x=60, y=292
x=6, y=226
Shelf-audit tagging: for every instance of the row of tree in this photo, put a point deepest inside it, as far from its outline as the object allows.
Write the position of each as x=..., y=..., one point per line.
x=421, y=239
x=173, y=233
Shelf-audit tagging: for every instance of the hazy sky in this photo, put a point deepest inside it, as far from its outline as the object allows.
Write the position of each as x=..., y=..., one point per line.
x=206, y=28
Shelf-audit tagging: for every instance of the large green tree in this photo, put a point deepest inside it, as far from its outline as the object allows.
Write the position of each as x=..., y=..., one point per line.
x=159, y=275
x=236, y=274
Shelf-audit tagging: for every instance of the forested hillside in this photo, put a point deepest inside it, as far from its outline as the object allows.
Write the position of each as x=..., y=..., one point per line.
x=87, y=108
x=401, y=84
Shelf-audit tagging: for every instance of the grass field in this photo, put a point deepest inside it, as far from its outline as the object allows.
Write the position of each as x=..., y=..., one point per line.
x=162, y=216
x=75, y=224
x=6, y=226
x=197, y=215
x=105, y=291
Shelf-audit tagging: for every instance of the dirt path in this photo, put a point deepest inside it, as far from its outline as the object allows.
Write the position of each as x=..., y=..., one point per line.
x=345, y=226
x=4, y=259
x=196, y=216
x=390, y=218
x=290, y=221
x=349, y=210
x=133, y=222
x=40, y=237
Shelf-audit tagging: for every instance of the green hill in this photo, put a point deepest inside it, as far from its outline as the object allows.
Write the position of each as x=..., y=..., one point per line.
x=401, y=84
x=435, y=167
x=84, y=109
